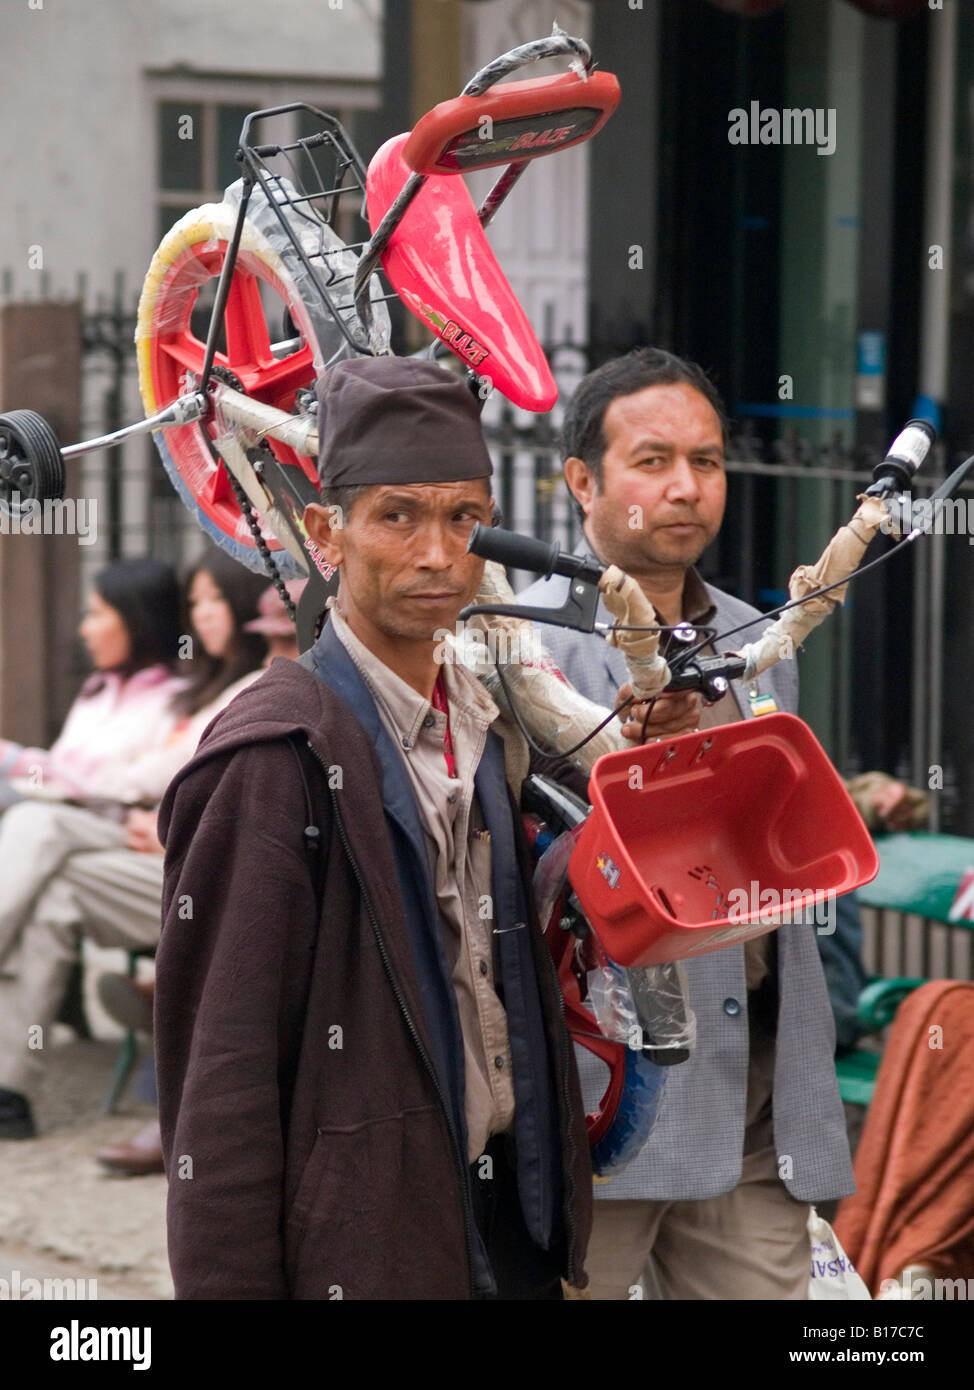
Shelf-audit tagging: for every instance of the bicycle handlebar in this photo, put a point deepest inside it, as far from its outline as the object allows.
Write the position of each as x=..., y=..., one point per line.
x=534, y=52
x=708, y=675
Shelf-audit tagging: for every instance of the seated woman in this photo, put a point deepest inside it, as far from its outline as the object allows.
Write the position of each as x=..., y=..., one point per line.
x=131, y=628
x=127, y=1000
x=68, y=870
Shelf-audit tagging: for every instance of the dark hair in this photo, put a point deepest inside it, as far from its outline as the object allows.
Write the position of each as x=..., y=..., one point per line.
x=240, y=588
x=145, y=594
x=342, y=498
x=582, y=431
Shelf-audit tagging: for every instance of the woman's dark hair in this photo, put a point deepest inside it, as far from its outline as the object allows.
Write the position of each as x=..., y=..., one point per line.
x=145, y=594
x=240, y=588
x=582, y=431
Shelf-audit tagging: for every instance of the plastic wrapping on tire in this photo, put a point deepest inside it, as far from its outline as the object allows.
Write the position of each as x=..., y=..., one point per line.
x=154, y=319
x=337, y=262
x=264, y=239
x=168, y=294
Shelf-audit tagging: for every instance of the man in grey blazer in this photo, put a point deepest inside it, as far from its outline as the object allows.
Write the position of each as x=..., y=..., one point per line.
x=751, y=1128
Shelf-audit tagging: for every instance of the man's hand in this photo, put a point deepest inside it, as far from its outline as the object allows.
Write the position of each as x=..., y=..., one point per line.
x=893, y=806
x=142, y=832
x=888, y=804
x=674, y=714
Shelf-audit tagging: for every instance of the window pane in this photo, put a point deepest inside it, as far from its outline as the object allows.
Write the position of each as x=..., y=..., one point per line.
x=229, y=123
x=180, y=144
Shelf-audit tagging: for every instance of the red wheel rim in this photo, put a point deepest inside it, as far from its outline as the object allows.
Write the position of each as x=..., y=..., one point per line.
x=175, y=350
x=584, y=1029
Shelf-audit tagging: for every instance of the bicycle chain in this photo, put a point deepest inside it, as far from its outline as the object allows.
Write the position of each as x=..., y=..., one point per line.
x=228, y=378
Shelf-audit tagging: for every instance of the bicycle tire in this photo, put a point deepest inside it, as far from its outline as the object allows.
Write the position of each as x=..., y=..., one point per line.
x=191, y=254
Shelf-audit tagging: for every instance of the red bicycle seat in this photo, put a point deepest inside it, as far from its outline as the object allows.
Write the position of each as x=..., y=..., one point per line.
x=440, y=264
x=513, y=121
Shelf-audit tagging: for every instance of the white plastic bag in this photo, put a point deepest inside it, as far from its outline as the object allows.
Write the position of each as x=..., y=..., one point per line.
x=831, y=1274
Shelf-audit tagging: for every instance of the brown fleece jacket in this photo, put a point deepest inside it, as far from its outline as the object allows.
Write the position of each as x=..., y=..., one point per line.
x=307, y=1148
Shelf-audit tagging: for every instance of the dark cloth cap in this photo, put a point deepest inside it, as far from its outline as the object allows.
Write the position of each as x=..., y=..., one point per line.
x=397, y=420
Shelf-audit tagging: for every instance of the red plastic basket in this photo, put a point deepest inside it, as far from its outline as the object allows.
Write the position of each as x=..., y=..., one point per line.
x=698, y=842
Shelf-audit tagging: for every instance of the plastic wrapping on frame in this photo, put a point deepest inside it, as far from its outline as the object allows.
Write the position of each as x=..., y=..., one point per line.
x=647, y=1008
x=648, y=672
x=661, y=998
x=610, y=1000
x=839, y=560
x=551, y=873
x=228, y=439
x=553, y=712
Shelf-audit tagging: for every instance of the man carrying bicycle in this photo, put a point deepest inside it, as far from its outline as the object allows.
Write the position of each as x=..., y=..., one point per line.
x=365, y=1082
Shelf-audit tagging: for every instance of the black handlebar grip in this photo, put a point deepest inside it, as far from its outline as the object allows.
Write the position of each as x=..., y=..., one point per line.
x=514, y=551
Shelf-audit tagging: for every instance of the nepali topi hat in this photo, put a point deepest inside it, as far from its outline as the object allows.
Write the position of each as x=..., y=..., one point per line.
x=388, y=420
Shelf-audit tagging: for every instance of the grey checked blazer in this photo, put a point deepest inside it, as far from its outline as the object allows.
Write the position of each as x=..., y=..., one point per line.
x=696, y=1146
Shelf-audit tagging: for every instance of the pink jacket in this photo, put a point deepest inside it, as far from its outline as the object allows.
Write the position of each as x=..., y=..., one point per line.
x=109, y=742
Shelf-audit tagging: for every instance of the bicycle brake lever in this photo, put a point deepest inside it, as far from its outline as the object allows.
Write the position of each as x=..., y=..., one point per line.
x=577, y=612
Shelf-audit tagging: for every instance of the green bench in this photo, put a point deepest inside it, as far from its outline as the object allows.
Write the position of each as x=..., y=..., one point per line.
x=919, y=875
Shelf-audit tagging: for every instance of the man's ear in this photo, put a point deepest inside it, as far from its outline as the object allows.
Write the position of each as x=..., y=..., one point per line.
x=324, y=526
x=581, y=482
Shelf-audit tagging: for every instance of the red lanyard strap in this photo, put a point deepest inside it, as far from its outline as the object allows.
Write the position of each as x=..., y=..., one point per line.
x=439, y=702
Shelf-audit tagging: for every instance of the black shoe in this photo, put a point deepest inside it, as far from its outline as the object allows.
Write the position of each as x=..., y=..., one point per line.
x=16, y=1120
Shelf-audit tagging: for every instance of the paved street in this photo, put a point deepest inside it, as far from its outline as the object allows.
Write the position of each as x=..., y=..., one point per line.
x=61, y=1215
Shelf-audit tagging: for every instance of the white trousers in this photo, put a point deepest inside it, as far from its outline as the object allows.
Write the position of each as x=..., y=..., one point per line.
x=64, y=873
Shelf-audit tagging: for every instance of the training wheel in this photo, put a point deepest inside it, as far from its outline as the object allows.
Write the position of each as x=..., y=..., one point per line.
x=31, y=466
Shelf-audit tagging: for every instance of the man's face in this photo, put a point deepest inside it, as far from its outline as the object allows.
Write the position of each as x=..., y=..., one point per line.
x=663, y=483
x=405, y=568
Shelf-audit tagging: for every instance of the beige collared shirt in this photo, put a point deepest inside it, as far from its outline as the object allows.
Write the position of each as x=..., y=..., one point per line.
x=760, y=953
x=459, y=853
